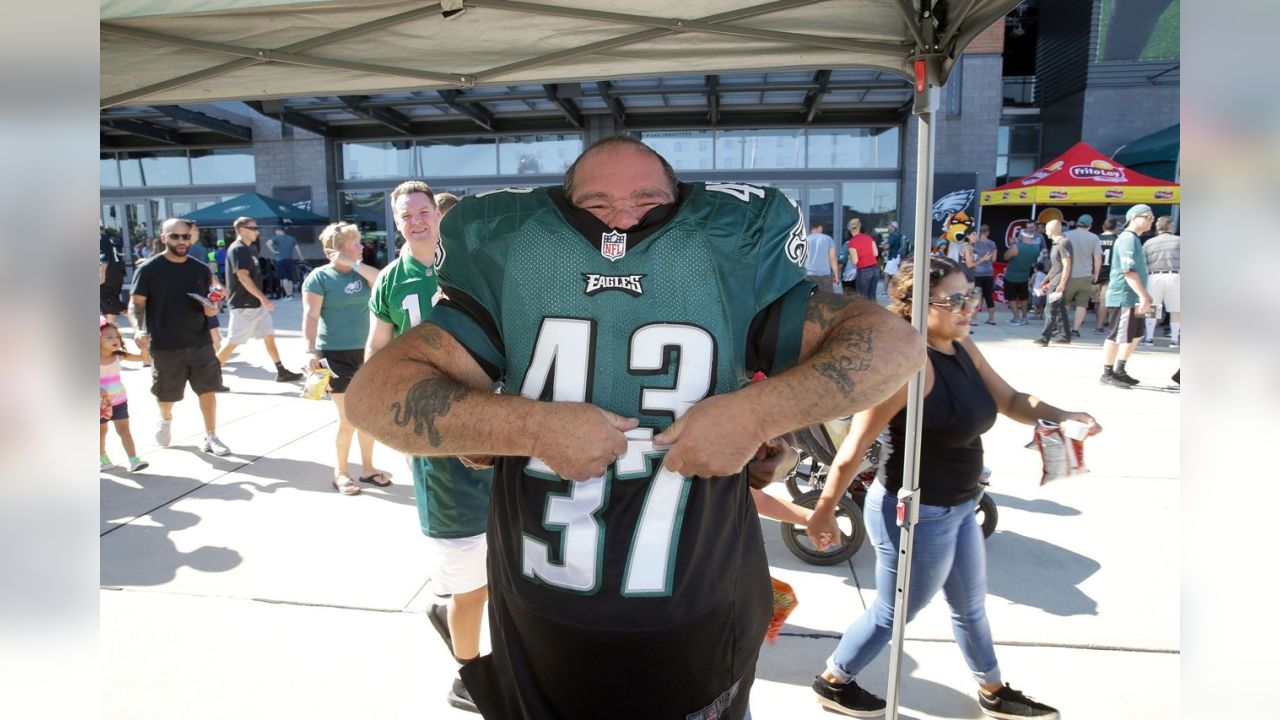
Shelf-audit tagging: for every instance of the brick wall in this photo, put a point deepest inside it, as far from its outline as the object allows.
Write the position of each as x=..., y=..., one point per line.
x=990, y=40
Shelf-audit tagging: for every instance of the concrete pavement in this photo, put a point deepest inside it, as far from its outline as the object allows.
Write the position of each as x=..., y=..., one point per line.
x=247, y=587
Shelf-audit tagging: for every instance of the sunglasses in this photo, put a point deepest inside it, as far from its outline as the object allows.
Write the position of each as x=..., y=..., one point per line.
x=960, y=301
x=251, y=227
x=179, y=236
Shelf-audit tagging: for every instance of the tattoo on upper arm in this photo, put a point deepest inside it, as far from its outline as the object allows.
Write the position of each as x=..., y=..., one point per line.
x=426, y=402
x=848, y=352
x=431, y=336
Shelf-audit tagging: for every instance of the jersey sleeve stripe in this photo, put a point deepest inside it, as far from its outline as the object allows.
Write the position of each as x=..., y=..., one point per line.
x=777, y=337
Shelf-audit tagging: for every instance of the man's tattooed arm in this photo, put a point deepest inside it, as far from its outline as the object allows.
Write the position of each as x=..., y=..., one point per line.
x=424, y=394
x=853, y=354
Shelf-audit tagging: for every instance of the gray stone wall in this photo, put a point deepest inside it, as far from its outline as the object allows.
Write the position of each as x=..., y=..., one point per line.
x=1113, y=116
x=286, y=156
x=962, y=143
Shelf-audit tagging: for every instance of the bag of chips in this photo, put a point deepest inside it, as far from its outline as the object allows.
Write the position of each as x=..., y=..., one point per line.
x=1061, y=448
x=784, y=601
x=317, y=383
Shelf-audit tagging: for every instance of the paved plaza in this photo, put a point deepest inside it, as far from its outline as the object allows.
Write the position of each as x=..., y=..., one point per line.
x=247, y=587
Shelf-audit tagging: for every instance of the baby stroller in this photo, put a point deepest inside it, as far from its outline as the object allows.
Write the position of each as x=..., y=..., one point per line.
x=815, y=448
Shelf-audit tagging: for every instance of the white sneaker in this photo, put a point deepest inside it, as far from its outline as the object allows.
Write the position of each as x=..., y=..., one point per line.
x=213, y=445
x=1175, y=345
x=138, y=464
x=162, y=433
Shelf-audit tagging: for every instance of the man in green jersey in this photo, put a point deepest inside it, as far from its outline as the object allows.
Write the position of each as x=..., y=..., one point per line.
x=452, y=499
x=625, y=314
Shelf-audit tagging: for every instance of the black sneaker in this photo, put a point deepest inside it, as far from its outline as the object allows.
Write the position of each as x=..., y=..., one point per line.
x=461, y=699
x=1011, y=704
x=847, y=698
x=1127, y=380
x=1111, y=379
x=287, y=376
x=1042, y=342
x=439, y=617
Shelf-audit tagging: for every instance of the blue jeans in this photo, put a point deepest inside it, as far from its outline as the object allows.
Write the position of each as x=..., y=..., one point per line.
x=865, y=281
x=950, y=555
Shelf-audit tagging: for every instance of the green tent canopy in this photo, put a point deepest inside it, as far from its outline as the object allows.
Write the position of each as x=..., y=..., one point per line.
x=265, y=210
x=1155, y=154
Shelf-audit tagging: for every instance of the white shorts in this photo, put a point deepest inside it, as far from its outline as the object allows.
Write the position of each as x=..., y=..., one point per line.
x=249, y=323
x=459, y=564
x=1166, y=290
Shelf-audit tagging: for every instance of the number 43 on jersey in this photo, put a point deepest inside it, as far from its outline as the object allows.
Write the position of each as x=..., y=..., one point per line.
x=560, y=369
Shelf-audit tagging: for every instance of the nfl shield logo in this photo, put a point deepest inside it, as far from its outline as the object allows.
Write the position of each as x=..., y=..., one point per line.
x=613, y=245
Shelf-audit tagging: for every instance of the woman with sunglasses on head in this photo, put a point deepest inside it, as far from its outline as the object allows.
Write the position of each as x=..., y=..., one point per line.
x=962, y=395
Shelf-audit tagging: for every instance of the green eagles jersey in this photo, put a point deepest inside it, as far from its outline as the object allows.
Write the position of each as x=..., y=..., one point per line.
x=452, y=498
x=1126, y=255
x=645, y=324
x=403, y=293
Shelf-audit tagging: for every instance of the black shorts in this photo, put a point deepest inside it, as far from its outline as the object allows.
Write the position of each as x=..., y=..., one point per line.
x=109, y=302
x=284, y=269
x=1014, y=290
x=118, y=412
x=172, y=370
x=1126, y=325
x=344, y=364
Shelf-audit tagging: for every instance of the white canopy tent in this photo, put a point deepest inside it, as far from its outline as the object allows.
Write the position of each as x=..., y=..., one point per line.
x=199, y=51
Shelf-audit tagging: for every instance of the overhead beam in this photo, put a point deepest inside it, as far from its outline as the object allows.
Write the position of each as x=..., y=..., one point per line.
x=294, y=118
x=612, y=102
x=478, y=113
x=908, y=13
x=208, y=122
x=642, y=36
x=814, y=96
x=681, y=25
x=298, y=47
x=146, y=130
x=567, y=106
x=713, y=99
x=391, y=118
x=955, y=20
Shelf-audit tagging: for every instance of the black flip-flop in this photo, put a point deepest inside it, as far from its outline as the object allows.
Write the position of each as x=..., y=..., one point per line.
x=383, y=479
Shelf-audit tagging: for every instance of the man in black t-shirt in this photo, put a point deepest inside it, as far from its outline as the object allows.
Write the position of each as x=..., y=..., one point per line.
x=1106, y=241
x=250, y=307
x=175, y=326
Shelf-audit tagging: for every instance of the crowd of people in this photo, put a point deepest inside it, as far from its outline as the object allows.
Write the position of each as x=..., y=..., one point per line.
x=561, y=482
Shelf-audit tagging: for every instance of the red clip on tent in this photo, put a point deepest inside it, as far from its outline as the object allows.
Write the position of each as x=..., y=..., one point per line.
x=1083, y=176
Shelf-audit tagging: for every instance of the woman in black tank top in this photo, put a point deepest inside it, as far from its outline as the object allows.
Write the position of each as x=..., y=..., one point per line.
x=962, y=395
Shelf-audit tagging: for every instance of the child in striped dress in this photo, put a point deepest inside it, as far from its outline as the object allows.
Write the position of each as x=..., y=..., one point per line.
x=114, y=402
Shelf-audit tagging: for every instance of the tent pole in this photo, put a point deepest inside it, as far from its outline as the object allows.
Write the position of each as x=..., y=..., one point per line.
x=908, y=496
x=1177, y=177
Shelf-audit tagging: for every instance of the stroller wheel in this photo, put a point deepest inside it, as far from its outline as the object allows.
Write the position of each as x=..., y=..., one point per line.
x=848, y=519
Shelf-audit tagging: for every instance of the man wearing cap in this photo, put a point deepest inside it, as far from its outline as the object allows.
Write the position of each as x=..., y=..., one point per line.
x=1086, y=261
x=1164, y=260
x=1127, y=292
x=250, y=307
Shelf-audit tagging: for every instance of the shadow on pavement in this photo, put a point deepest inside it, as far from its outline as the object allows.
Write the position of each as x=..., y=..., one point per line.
x=1047, y=575
x=801, y=653
x=312, y=476
x=148, y=556
x=1039, y=505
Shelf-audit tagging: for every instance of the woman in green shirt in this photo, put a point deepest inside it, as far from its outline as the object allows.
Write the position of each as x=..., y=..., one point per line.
x=335, y=323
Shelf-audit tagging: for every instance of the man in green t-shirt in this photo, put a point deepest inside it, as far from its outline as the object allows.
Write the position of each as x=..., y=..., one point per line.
x=1127, y=292
x=452, y=498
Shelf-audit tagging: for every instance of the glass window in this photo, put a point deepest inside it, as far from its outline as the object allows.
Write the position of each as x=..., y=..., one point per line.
x=1022, y=165
x=108, y=170
x=362, y=161
x=875, y=202
x=459, y=157
x=1024, y=140
x=1002, y=140
x=690, y=150
x=534, y=154
x=222, y=166
x=368, y=211
x=854, y=148
x=751, y=149
x=161, y=167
